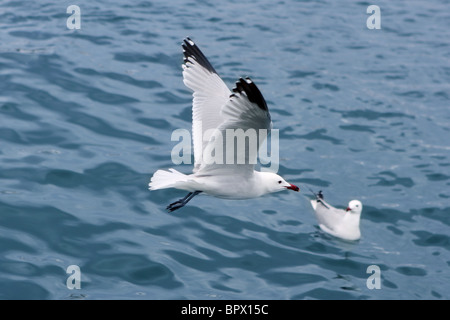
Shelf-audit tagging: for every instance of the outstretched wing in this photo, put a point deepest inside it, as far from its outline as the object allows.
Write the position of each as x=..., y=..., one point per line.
x=210, y=95
x=246, y=124
x=216, y=111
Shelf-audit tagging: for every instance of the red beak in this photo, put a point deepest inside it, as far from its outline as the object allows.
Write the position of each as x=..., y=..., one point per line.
x=348, y=209
x=293, y=187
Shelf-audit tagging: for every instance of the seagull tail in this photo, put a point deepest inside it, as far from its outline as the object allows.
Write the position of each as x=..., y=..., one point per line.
x=163, y=179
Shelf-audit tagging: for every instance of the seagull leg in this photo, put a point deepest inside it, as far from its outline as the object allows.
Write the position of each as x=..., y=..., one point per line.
x=182, y=202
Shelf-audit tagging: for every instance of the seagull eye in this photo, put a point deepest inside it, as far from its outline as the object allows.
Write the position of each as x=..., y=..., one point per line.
x=279, y=182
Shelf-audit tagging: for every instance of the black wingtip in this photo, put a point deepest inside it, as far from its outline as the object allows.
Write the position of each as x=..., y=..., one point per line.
x=319, y=198
x=320, y=195
x=251, y=90
x=191, y=50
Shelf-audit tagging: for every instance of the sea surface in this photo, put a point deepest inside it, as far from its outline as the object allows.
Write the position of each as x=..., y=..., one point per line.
x=86, y=117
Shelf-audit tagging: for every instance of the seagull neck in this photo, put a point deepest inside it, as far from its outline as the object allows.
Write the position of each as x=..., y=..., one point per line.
x=262, y=182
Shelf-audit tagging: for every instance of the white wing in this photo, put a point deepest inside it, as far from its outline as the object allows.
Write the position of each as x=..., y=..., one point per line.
x=216, y=109
x=327, y=215
x=246, y=124
x=210, y=95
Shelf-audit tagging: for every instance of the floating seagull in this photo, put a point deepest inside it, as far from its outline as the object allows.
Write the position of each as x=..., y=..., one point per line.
x=337, y=222
x=216, y=109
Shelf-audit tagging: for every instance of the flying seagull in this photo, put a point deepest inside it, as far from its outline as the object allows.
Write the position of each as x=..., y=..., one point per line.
x=216, y=110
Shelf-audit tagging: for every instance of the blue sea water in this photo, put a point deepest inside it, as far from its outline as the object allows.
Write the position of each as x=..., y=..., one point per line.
x=86, y=117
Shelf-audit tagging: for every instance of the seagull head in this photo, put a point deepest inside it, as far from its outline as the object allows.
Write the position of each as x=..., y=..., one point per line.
x=355, y=207
x=275, y=183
